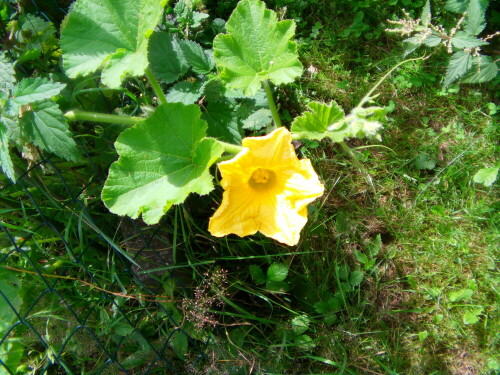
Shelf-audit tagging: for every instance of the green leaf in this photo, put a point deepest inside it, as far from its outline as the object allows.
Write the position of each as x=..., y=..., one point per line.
x=321, y=307
x=424, y=161
x=461, y=6
x=162, y=160
x=254, y=113
x=375, y=246
x=7, y=75
x=277, y=272
x=355, y=278
x=300, y=324
x=123, y=328
x=462, y=40
x=136, y=359
x=257, y=47
x=185, y=92
x=10, y=285
x=304, y=342
x=432, y=40
x=257, y=274
x=460, y=62
x=412, y=44
x=258, y=120
x=5, y=160
x=29, y=55
x=486, y=176
x=343, y=272
x=425, y=17
x=109, y=34
x=196, y=57
x=222, y=122
x=179, y=343
x=197, y=18
x=483, y=69
x=165, y=57
x=360, y=257
x=364, y=122
x=12, y=352
x=46, y=127
x=277, y=286
x=472, y=317
x=36, y=33
x=475, y=21
x=422, y=335
x=458, y=6
x=329, y=306
x=31, y=90
x=316, y=123
x=459, y=295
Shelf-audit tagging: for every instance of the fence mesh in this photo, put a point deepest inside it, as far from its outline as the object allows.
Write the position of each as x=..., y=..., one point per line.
x=81, y=296
x=82, y=290
x=76, y=291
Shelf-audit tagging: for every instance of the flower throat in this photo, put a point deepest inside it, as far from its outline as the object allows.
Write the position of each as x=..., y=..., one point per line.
x=262, y=178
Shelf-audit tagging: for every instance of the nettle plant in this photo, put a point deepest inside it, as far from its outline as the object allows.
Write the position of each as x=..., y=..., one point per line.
x=208, y=101
x=462, y=41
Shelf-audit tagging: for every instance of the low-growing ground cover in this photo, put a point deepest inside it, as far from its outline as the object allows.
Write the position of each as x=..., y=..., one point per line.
x=394, y=277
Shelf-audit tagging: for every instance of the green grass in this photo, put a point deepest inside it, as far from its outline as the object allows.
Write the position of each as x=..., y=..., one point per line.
x=401, y=280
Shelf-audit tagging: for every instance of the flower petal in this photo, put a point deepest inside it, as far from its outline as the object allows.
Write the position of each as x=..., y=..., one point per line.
x=278, y=210
x=237, y=214
x=273, y=149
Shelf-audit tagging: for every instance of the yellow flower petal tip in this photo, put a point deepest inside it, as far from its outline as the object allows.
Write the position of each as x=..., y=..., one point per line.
x=266, y=189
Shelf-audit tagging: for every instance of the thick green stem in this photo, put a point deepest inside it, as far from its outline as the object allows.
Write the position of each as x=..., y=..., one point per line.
x=77, y=115
x=228, y=147
x=156, y=86
x=360, y=166
x=368, y=96
x=272, y=105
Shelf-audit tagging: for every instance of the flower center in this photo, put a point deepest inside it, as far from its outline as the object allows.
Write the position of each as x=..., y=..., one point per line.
x=262, y=178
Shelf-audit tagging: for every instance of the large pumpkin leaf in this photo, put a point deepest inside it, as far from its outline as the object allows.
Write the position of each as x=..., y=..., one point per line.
x=162, y=160
x=109, y=33
x=257, y=47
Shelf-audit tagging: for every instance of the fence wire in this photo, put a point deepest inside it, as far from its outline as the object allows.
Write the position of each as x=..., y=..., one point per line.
x=80, y=289
x=66, y=285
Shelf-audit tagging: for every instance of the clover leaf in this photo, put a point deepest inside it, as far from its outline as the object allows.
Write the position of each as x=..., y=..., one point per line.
x=162, y=160
x=257, y=47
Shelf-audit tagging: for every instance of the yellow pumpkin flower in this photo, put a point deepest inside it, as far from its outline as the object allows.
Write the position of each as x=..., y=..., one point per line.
x=266, y=189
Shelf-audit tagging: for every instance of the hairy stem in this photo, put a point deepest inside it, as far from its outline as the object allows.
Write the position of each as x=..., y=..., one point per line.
x=228, y=147
x=156, y=86
x=77, y=115
x=272, y=105
x=360, y=166
x=367, y=97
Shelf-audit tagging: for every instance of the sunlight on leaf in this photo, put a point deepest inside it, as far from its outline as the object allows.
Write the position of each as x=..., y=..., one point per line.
x=109, y=34
x=257, y=47
x=162, y=160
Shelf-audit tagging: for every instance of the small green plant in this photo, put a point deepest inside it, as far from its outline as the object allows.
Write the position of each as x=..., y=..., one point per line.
x=486, y=176
x=462, y=42
x=274, y=279
x=29, y=117
x=347, y=282
x=368, y=258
